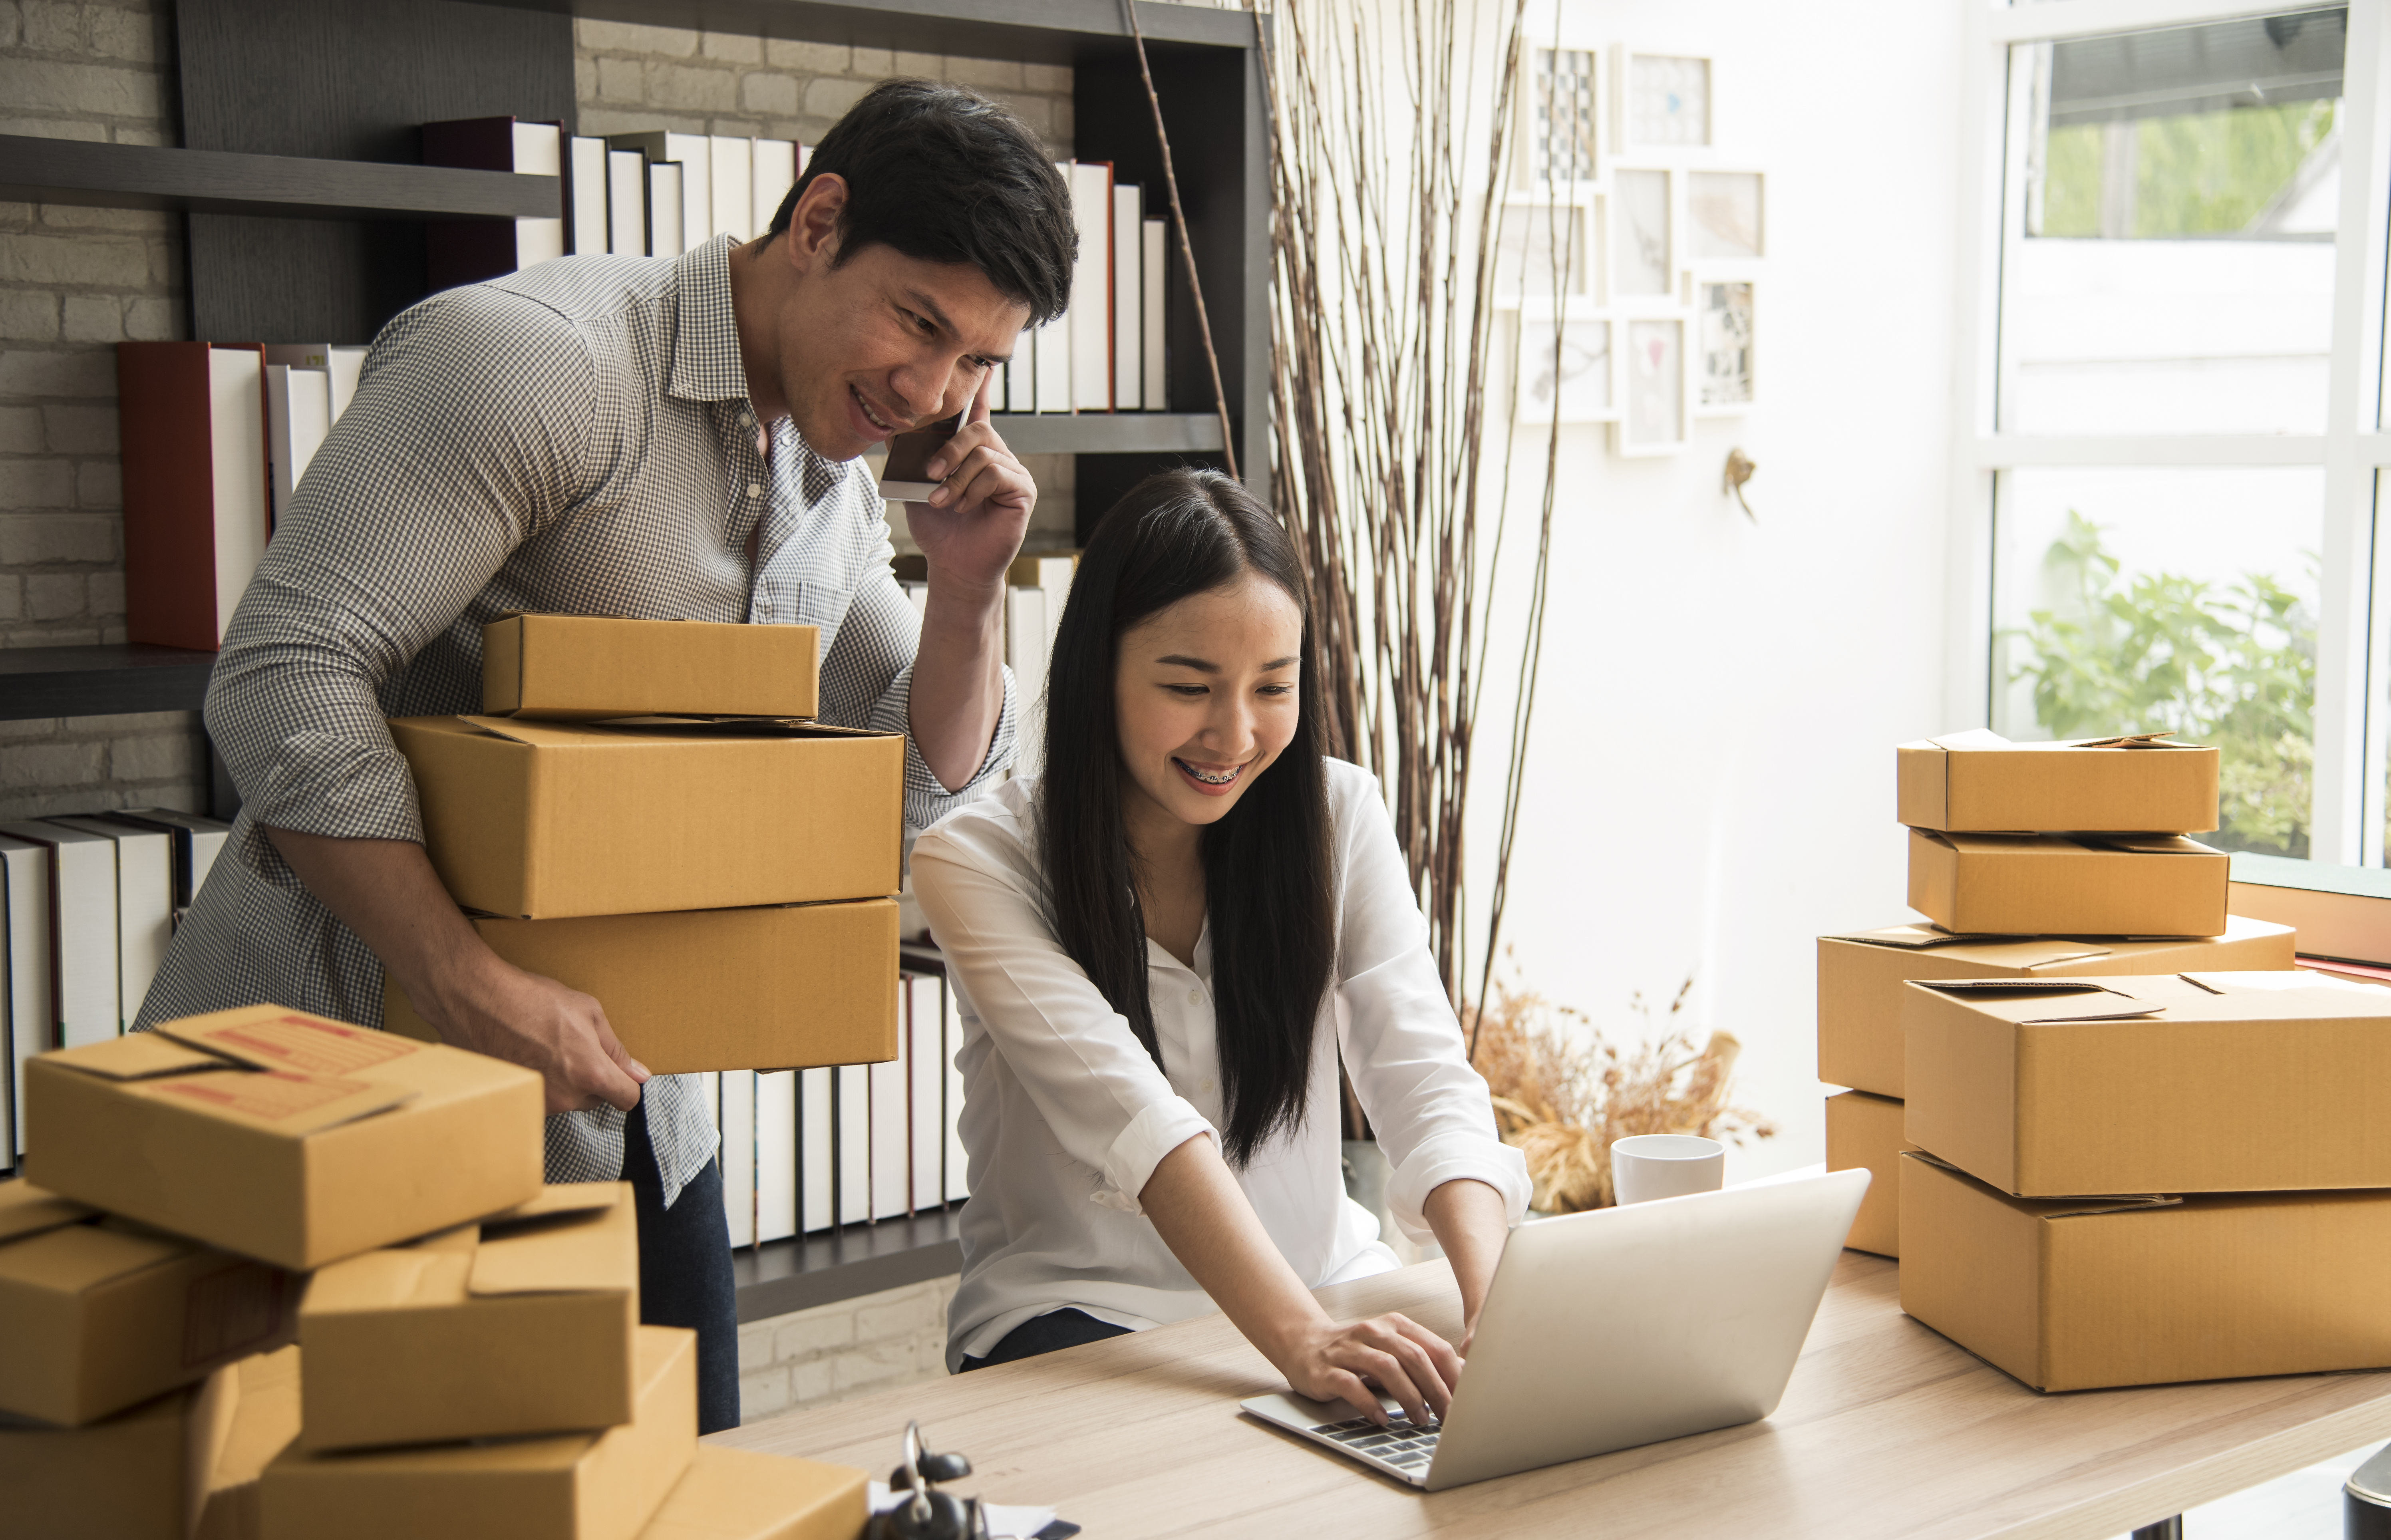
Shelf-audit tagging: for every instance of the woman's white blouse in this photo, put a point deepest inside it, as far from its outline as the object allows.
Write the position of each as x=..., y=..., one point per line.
x=1065, y=1115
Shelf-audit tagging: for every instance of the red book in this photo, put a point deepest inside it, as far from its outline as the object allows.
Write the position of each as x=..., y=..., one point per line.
x=467, y=250
x=193, y=421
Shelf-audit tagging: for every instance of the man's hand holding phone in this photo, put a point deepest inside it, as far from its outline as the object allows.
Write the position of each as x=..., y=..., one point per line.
x=967, y=497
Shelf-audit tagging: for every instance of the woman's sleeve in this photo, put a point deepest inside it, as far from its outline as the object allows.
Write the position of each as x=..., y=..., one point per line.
x=1403, y=1049
x=1108, y=1103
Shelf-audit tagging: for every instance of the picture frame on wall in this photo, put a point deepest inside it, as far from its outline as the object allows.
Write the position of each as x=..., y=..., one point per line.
x=1724, y=381
x=1664, y=101
x=1726, y=216
x=1564, y=111
x=1565, y=367
x=1654, y=415
x=1640, y=214
x=1545, y=248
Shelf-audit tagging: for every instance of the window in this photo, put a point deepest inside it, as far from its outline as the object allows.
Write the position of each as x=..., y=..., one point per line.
x=2171, y=397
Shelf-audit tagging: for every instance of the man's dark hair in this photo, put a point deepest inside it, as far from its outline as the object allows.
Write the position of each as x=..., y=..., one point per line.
x=945, y=175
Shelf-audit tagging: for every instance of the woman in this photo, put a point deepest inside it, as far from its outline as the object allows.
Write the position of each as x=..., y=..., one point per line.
x=1160, y=946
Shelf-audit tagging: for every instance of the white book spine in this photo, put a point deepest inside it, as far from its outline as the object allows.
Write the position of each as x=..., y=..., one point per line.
x=586, y=220
x=772, y=174
x=1025, y=653
x=664, y=206
x=817, y=1149
x=1129, y=291
x=958, y=1174
x=695, y=152
x=892, y=1141
x=279, y=449
x=1053, y=343
x=925, y=1038
x=854, y=1144
x=739, y=1155
x=344, y=365
x=25, y=889
x=1091, y=363
x=776, y=1156
x=83, y=874
x=734, y=187
x=540, y=151
x=144, y=905
x=627, y=202
x=1021, y=375
x=237, y=451
x=1155, y=270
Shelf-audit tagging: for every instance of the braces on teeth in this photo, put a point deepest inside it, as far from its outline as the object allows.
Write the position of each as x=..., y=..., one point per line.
x=1221, y=780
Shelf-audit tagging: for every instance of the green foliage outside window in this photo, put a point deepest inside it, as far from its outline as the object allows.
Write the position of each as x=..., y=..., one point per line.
x=2194, y=173
x=2235, y=666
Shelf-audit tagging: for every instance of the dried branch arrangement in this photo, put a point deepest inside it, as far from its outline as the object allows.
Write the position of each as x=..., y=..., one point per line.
x=1563, y=1091
x=1383, y=319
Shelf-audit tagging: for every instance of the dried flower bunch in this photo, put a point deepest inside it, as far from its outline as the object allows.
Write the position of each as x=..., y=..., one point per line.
x=1563, y=1091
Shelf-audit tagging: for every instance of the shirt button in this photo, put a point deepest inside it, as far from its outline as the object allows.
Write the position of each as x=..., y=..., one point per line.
x=1195, y=997
x=755, y=489
x=1205, y=1086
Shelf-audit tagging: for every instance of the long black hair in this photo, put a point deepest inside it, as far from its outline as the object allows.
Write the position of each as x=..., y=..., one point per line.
x=1268, y=885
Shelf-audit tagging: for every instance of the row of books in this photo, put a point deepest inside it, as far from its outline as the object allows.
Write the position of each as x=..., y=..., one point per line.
x=805, y=1150
x=216, y=438
x=1107, y=352
x=659, y=194
x=87, y=904
x=1036, y=589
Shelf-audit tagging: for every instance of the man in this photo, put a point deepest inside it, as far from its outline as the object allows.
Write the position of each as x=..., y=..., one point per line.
x=673, y=439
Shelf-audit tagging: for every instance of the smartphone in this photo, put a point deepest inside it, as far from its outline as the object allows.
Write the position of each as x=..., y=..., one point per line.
x=906, y=477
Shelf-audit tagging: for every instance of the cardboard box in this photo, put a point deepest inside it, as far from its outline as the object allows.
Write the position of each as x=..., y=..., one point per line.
x=1980, y=782
x=2085, y=1293
x=1860, y=978
x=722, y=988
x=2085, y=885
x=736, y=1495
x=1865, y=1131
x=284, y=1136
x=522, y=1324
x=551, y=820
x=132, y=1476
x=2202, y=1082
x=568, y=667
x=254, y=1423
x=96, y=1316
x=574, y=1486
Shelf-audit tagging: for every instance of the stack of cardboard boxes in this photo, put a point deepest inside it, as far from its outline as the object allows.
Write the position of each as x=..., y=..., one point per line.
x=468, y=1359
x=647, y=813
x=2023, y=906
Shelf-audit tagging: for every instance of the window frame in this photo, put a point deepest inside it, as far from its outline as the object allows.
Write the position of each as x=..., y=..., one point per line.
x=2353, y=722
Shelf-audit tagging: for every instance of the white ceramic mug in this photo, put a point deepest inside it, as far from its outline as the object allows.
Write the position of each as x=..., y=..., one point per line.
x=1666, y=1165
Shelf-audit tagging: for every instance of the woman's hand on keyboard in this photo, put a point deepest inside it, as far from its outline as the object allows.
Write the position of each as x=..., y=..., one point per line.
x=1394, y=1353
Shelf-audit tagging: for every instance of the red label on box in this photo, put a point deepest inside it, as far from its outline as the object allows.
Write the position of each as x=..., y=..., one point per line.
x=313, y=1047
x=269, y=1096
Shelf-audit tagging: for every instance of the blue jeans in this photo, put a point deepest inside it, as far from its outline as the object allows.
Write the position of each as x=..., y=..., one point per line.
x=1055, y=1329
x=685, y=1270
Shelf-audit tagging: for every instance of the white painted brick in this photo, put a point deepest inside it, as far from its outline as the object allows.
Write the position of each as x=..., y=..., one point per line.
x=72, y=216
x=809, y=1383
x=37, y=766
x=127, y=34
x=55, y=596
x=33, y=539
x=808, y=1332
x=86, y=371
x=11, y=24
x=28, y=315
x=129, y=135
x=54, y=86
x=814, y=59
x=106, y=590
x=736, y=47
x=830, y=98
x=20, y=430
x=872, y=64
x=152, y=318
x=925, y=66
x=93, y=318
x=691, y=87
x=154, y=757
x=12, y=601
x=985, y=73
x=98, y=484
x=898, y=1318
x=35, y=127
x=871, y=1365
x=52, y=26
x=80, y=260
x=768, y=92
x=755, y=1345
x=37, y=484
x=763, y=1393
x=618, y=80
x=1047, y=77
x=629, y=37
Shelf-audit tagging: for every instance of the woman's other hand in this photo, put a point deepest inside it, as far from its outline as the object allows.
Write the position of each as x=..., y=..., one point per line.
x=1390, y=1353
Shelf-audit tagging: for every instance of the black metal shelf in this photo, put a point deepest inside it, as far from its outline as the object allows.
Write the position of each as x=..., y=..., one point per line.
x=101, y=682
x=806, y=1271
x=215, y=181
x=1042, y=31
x=1109, y=432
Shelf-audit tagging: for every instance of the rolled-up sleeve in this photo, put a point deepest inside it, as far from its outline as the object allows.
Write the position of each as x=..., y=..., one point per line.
x=868, y=681
x=1402, y=1046
x=403, y=517
x=1108, y=1104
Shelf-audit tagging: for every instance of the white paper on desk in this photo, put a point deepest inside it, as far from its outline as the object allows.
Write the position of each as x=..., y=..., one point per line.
x=1003, y=1522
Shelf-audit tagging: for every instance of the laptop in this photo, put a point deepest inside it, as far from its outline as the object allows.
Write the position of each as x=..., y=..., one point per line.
x=1614, y=1328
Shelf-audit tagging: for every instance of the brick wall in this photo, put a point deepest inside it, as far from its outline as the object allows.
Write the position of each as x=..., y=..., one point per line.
x=73, y=282
x=813, y=1357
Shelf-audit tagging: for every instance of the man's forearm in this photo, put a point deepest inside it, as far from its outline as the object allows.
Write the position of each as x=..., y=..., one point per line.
x=958, y=677
x=387, y=892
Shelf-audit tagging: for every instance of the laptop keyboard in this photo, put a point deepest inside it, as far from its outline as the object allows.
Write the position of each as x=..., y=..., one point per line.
x=1399, y=1443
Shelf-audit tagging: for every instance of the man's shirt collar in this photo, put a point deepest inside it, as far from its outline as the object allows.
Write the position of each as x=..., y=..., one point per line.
x=705, y=362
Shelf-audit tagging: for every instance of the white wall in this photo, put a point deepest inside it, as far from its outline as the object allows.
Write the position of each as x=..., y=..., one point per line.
x=1710, y=781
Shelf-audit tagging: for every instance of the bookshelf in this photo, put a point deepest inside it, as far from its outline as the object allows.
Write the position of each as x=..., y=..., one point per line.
x=300, y=180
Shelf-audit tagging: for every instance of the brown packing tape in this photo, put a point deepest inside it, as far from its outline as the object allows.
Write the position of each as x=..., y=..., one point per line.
x=303, y=1189
x=2086, y=1294
x=579, y=1486
x=524, y=1326
x=1860, y=982
x=736, y=1495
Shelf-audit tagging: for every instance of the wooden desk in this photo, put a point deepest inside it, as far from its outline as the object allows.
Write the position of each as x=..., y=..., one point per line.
x=1886, y=1429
